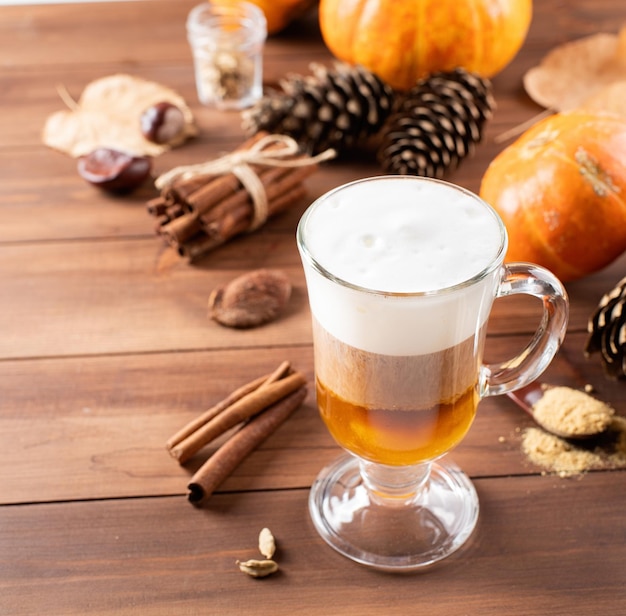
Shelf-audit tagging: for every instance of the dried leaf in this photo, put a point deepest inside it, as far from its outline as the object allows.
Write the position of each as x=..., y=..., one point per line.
x=107, y=115
x=573, y=72
x=611, y=99
x=267, y=543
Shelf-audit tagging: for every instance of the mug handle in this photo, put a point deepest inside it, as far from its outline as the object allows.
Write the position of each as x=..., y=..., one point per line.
x=529, y=279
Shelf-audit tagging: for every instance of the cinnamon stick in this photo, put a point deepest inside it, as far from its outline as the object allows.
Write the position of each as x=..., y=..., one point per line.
x=276, y=181
x=268, y=177
x=216, y=409
x=289, y=197
x=206, y=197
x=189, y=190
x=156, y=206
x=180, y=229
x=198, y=213
x=234, y=223
x=217, y=232
x=212, y=193
x=224, y=461
x=278, y=374
x=241, y=410
x=180, y=190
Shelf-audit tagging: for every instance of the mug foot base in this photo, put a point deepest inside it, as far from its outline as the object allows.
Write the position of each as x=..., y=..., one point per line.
x=390, y=535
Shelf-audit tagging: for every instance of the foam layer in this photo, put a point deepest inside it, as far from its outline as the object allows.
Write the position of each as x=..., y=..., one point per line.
x=401, y=235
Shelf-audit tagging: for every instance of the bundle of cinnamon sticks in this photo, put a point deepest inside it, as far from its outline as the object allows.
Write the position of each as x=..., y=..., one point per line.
x=203, y=206
x=258, y=408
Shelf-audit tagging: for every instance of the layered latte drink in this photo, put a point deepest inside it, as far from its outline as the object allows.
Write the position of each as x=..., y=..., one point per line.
x=402, y=273
x=401, y=279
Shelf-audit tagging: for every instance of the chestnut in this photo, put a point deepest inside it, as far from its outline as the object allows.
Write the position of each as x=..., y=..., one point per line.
x=113, y=170
x=162, y=123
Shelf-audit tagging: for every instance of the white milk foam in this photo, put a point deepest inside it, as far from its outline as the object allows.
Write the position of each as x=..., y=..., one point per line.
x=401, y=235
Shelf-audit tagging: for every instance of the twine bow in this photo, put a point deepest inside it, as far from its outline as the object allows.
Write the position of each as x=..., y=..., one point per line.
x=238, y=163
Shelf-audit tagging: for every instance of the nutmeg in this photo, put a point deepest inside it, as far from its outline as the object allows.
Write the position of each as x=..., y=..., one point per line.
x=251, y=299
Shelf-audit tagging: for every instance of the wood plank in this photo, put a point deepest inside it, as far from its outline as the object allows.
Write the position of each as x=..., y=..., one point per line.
x=43, y=198
x=136, y=295
x=105, y=350
x=98, y=425
x=542, y=545
x=30, y=95
x=39, y=35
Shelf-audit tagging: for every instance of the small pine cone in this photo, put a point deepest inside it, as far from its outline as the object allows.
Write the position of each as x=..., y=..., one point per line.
x=436, y=124
x=332, y=108
x=607, y=332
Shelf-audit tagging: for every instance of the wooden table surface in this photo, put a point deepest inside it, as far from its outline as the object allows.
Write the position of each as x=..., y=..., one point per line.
x=106, y=350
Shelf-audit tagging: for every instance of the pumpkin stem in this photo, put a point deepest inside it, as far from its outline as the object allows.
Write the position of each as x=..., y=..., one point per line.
x=590, y=169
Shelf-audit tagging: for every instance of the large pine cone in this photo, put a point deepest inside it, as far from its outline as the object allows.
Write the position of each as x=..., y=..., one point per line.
x=607, y=331
x=436, y=124
x=332, y=108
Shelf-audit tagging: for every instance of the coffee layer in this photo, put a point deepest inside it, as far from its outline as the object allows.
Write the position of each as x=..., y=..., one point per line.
x=405, y=382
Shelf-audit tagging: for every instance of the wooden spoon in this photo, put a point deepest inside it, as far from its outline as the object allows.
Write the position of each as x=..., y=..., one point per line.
x=528, y=397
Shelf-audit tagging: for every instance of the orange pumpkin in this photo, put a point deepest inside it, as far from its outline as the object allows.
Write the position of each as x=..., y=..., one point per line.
x=280, y=13
x=561, y=192
x=403, y=41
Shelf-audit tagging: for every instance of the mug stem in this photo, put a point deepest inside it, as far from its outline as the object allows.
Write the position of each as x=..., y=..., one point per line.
x=391, y=484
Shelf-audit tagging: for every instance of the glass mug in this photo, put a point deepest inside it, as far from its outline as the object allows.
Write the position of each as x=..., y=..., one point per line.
x=401, y=275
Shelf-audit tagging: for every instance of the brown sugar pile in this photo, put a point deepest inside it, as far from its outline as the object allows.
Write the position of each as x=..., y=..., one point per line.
x=570, y=412
x=566, y=458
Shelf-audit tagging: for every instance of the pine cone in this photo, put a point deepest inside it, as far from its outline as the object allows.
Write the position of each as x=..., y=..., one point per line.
x=436, y=124
x=607, y=331
x=332, y=108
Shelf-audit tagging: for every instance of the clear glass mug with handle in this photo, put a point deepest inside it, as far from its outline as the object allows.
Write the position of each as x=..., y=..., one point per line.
x=401, y=274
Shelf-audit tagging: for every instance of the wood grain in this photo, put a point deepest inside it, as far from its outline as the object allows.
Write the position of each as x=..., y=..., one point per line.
x=106, y=350
x=162, y=556
x=136, y=295
x=103, y=421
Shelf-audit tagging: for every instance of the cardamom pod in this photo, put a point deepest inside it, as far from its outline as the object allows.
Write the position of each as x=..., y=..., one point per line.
x=267, y=544
x=258, y=568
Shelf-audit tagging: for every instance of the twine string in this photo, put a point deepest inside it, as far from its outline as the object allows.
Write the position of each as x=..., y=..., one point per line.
x=239, y=163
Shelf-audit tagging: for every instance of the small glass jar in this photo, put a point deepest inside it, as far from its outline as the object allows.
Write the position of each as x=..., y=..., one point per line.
x=227, y=39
